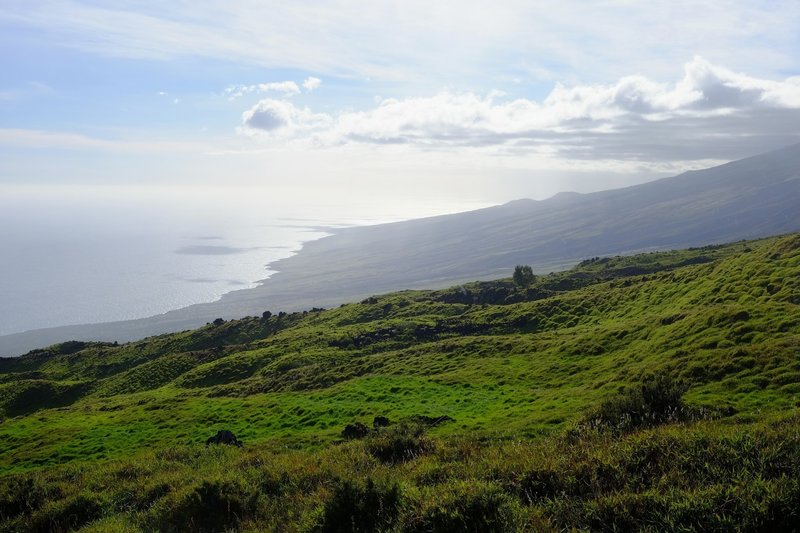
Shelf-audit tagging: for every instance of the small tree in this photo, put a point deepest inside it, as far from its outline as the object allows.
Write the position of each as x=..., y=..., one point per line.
x=523, y=275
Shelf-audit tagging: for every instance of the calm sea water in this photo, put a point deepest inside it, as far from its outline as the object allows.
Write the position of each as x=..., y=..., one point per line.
x=71, y=256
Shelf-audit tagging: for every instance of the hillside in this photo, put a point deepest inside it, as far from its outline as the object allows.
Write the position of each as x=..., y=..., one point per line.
x=750, y=198
x=657, y=390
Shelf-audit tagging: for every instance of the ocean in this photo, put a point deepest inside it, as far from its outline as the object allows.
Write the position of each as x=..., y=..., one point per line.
x=98, y=254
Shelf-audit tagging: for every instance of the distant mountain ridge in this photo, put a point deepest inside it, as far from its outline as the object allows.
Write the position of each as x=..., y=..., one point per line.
x=754, y=197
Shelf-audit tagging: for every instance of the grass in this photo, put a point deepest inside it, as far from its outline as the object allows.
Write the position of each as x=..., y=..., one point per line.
x=110, y=436
x=701, y=476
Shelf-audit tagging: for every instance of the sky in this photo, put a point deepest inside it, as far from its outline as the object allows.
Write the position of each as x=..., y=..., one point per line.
x=465, y=100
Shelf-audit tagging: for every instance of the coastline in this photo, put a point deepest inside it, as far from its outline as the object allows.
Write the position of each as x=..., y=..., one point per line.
x=352, y=263
x=251, y=301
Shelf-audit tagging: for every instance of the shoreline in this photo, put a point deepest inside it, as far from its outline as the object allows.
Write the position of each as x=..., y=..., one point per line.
x=251, y=285
x=349, y=264
x=159, y=283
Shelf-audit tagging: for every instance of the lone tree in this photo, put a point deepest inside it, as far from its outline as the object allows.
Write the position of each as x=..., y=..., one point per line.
x=523, y=275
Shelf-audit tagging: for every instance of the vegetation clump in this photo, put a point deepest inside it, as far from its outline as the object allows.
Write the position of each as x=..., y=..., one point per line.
x=523, y=275
x=224, y=436
x=470, y=507
x=210, y=507
x=362, y=508
x=399, y=444
x=657, y=400
x=380, y=422
x=356, y=430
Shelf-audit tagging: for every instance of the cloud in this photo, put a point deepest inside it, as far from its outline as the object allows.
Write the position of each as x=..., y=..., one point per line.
x=311, y=83
x=451, y=41
x=288, y=88
x=271, y=116
x=634, y=118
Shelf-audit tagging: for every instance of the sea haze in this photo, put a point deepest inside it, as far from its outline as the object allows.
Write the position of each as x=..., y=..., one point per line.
x=105, y=254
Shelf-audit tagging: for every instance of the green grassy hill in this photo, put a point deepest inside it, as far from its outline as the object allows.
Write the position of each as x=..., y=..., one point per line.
x=656, y=390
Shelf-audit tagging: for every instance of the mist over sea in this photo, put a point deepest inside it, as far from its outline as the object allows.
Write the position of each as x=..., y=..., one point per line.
x=74, y=256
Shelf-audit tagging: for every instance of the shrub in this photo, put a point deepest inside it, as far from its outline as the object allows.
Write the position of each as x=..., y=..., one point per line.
x=541, y=483
x=658, y=399
x=380, y=422
x=399, y=444
x=211, y=507
x=67, y=515
x=20, y=495
x=355, y=431
x=470, y=507
x=357, y=508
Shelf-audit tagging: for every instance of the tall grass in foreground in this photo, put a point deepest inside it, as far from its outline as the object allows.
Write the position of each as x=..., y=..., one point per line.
x=706, y=475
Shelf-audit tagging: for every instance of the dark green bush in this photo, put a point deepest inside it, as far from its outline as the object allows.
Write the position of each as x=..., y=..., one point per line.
x=67, y=515
x=469, y=507
x=541, y=483
x=399, y=444
x=355, y=431
x=356, y=508
x=380, y=422
x=212, y=507
x=657, y=400
x=22, y=495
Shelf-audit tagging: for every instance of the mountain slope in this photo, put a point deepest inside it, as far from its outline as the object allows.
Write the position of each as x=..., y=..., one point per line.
x=498, y=359
x=511, y=408
x=753, y=197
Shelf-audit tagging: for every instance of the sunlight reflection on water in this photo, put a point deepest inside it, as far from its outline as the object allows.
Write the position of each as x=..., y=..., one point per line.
x=96, y=255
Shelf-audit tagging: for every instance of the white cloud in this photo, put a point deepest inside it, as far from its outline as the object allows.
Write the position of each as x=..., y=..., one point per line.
x=288, y=88
x=311, y=83
x=282, y=119
x=632, y=119
x=704, y=89
x=442, y=42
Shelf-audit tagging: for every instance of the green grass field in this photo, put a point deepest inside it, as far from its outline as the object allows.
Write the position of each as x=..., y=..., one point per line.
x=111, y=437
